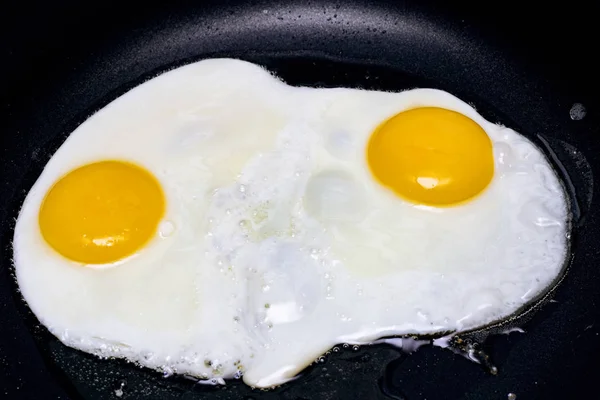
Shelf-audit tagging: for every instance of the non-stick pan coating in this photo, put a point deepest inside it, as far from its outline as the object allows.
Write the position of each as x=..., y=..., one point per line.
x=62, y=60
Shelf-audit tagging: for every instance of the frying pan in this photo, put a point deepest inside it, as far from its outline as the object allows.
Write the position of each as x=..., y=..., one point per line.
x=525, y=68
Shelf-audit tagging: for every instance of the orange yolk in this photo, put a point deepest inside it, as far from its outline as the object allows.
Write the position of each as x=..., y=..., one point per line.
x=102, y=212
x=431, y=156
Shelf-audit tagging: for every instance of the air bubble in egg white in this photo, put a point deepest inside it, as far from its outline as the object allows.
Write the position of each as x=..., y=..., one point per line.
x=335, y=196
x=345, y=318
x=339, y=144
x=329, y=294
x=166, y=229
x=191, y=132
x=504, y=157
x=314, y=253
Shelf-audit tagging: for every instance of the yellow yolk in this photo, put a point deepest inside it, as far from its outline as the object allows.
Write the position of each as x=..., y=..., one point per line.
x=102, y=212
x=431, y=156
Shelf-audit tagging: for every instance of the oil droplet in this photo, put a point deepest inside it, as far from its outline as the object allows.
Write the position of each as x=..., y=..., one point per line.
x=512, y=396
x=355, y=347
x=119, y=389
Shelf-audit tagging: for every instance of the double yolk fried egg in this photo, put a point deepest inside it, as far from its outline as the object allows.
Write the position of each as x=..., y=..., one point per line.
x=218, y=223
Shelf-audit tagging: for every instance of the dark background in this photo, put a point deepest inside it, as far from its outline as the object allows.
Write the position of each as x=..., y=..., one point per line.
x=520, y=64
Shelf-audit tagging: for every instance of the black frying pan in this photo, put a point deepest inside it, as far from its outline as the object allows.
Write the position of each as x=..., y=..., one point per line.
x=520, y=67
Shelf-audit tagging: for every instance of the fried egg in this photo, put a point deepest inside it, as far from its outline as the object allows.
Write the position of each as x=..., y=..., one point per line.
x=108, y=246
x=219, y=223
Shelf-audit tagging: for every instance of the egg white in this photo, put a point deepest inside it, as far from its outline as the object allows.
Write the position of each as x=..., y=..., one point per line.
x=279, y=243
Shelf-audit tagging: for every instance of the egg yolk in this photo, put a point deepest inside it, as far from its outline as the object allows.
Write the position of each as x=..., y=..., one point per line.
x=431, y=156
x=102, y=212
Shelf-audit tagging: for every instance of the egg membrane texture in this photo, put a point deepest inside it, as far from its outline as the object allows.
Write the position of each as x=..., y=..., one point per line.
x=277, y=242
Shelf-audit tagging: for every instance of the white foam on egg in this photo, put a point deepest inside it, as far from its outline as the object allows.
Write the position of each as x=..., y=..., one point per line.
x=281, y=244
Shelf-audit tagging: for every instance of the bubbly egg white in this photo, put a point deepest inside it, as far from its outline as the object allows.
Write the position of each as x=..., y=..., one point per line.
x=278, y=243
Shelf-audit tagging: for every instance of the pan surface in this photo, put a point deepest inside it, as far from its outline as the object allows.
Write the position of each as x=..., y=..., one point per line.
x=62, y=61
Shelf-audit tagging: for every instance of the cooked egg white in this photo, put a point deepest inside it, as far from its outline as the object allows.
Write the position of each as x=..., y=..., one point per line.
x=294, y=219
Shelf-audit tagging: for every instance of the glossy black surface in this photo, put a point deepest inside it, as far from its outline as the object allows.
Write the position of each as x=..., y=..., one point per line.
x=61, y=61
